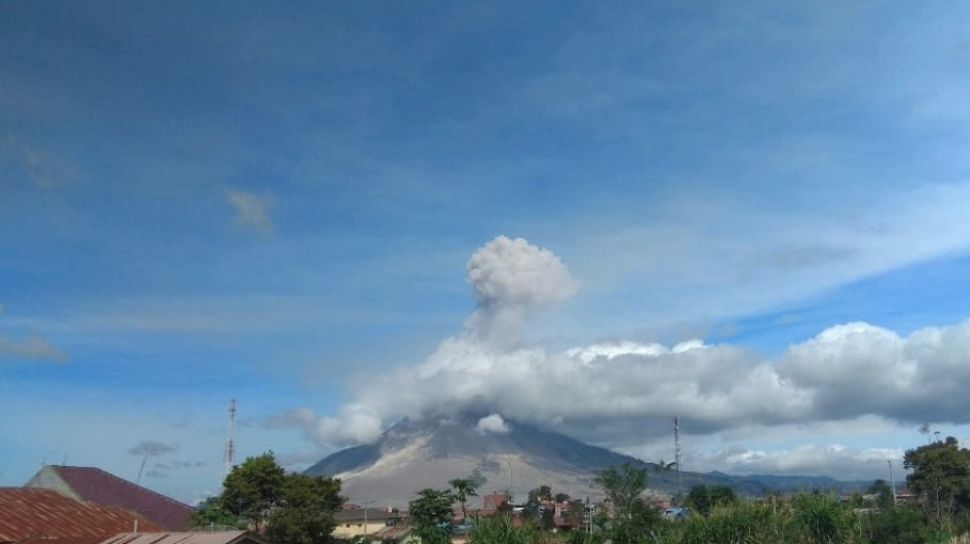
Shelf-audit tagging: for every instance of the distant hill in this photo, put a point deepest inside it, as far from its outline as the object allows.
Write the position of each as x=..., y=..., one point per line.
x=414, y=455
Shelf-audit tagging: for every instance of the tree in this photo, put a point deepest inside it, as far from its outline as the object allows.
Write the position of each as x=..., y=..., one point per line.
x=545, y=492
x=941, y=477
x=304, y=514
x=561, y=497
x=576, y=513
x=211, y=514
x=287, y=508
x=431, y=513
x=898, y=525
x=703, y=499
x=462, y=489
x=883, y=493
x=633, y=521
x=623, y=486
x=252, y=489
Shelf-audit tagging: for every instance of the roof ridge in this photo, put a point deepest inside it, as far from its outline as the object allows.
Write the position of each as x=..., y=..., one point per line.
x=126, y=482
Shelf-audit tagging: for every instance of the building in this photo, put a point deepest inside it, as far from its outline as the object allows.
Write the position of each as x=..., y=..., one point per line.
x=354, y=522
x=95, y=485
x=493, y=503
x=190, y=537
x=42, y=515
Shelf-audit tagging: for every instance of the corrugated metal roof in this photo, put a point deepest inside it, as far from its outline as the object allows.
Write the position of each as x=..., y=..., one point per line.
x=191, y=537
x=40, y=514
x=95, y=485
x=357, y=514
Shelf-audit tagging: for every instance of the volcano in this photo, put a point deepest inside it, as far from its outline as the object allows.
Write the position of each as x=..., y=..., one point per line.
x=516, y=458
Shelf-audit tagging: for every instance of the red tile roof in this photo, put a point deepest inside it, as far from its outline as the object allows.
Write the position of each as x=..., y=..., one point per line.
x=95, y=485
x=42, y=514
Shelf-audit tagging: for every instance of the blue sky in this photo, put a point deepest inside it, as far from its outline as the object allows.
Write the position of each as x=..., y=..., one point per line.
x=269, y=202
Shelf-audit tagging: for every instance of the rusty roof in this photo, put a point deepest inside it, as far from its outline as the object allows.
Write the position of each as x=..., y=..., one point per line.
x=28, y=514
x=96, y=485
x=189, y=537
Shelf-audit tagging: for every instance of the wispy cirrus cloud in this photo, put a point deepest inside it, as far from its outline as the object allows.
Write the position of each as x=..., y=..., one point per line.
x=151, y=448
x=251, y=210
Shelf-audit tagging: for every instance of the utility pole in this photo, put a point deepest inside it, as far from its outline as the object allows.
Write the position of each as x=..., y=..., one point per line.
x=677, y=457
x=230, y=456
x=892, y=481
x=511, y=487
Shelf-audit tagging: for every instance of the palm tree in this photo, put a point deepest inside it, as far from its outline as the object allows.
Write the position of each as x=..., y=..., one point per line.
x=664, y=467
x=463, y=489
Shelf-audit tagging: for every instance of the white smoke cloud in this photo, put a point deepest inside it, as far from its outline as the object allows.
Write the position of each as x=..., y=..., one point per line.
x=510, y=279
x=626, y=392
x=492, y=424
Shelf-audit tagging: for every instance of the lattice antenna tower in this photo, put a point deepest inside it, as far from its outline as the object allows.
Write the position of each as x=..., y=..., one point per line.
x=230, y=456
x=677, y=457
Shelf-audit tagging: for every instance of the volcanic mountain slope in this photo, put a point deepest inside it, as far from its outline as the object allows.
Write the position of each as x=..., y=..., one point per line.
x=415, y=455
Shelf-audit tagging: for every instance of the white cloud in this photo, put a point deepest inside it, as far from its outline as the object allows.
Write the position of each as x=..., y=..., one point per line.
x=297, y=418
x=30, y=349
x=492, y=424
x=251, y=210
x=357, y=424
x=834, y=460
x=708, y=256
x=604, y=392
x=510, y=279
x=151, y=448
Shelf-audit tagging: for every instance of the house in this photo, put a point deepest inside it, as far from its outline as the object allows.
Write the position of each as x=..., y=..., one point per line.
x=402, y=533
x=95, y=485
x=30, y=515
x=354, y=522
x=189, y=537
x=493, y=503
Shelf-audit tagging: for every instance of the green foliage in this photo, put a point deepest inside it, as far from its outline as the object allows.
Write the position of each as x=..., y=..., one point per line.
x=735, y=524
x=431, y=513
x=820, y=519
x=252, y=489
x=500, y=530
x=304, y=514
x=641, y=526
x=462, y=489
x=576, y=513
x=623, y=486
x=633, y=522
x=288, y=508
x=883, y=493
x=703, y=499
x=941, y=476
x=211, y=514
x=900, y=525
x=561, y=497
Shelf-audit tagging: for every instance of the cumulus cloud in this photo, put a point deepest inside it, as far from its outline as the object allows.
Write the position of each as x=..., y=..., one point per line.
x=810, y=460
x=151, y=448
x=251, y=210
x=30, y=349
x=492, y=424
x=297, y=418
x=624, y=393
x=356, y=424
x=511, y=278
